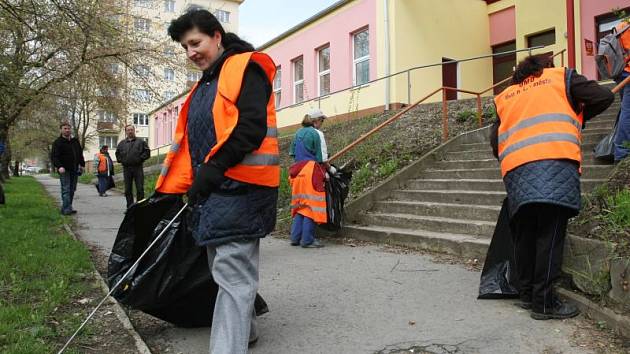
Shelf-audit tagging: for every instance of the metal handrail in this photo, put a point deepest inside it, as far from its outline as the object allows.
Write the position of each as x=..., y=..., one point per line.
x=444, y=90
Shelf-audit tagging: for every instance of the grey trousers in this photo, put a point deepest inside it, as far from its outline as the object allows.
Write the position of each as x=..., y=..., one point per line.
x=234, y=267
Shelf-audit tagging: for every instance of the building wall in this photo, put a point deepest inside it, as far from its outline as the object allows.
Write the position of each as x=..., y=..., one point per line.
x=334, y=30
x=588, y=11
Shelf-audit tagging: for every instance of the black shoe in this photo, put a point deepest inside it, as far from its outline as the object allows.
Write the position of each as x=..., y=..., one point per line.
x=295, y=243
x=559, y=311
x=73, y=211
x=66, y=213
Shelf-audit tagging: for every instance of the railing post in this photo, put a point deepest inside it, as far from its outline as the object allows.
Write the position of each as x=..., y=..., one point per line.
x=562, y=60
x=408, y=86
x=479, y=112
x=444, y=116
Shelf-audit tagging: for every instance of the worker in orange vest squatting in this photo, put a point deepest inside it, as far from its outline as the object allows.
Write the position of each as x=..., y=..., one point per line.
x=307, y=177
x=537, y=142
x=225, y=157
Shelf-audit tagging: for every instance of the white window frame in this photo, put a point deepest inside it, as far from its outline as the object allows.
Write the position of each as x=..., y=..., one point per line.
x=142, y=24
x=169, y=5
x=106, y=117
x=169, y=74
x=109, y=140
x=297, y=82
x=168, y=94
x=193, y=75
x=142, y=3
x=142, y=95
x=222, y=15
x=277, y=86
x=140, y=119
x=323, y=73
x=359, y=60
x=142, y=70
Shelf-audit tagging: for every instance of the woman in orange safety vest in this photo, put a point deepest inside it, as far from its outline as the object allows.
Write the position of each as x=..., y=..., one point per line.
x=104, y=168
x=225, y=157
x=537, y=141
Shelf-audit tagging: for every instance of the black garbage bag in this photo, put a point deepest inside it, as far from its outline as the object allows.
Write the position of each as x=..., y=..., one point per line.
x=173, y=281
x=498, y=278
x=337, y=189
x=605, y=149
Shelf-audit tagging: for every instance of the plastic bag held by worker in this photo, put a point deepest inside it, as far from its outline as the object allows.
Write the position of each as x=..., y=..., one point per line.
x=498, y=278
x=605, y=149
x=173, y=281
x=337, y=189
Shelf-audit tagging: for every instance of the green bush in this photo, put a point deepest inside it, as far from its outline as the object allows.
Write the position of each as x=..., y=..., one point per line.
x=465, y=116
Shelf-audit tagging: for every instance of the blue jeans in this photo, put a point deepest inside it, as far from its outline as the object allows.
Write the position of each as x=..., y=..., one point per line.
x=623, y=129
x=302, y=229
x=68, y=186
x=103, y=182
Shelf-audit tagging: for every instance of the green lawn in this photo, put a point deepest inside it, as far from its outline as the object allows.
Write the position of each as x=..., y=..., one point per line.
x=42, y=269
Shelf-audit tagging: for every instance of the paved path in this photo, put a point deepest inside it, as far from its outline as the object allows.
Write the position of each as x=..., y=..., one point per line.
x=343, y=299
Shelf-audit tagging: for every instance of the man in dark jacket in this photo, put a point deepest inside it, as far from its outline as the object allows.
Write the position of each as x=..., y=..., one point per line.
x=67, y=158
x=131, y=153
x=537, y=141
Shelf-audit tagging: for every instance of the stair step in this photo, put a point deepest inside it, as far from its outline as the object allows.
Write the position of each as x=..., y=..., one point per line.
x=461, y=211
x=455, y=196
x=588, y=171
x=434, y=223
x=479, y=184
x=594, y=136
x=462, y=164
x=598, y=123
x=460, y=245
x=486, y=154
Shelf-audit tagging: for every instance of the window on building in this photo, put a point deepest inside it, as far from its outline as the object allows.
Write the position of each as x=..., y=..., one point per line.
x=169, y=5
x=114, y=68
x=142, y=70
x=298, y=80
x=140, y=119
x=141, y=95
x=169, y=51
x=169, y=74
x=544, y=38
x=109, y=140
x=141, y=24
x=222, y=16
x=106, y=116
x=323, y=64
x=361, y=57
x=277, y=86
x=194, y=75
x=168, y=95
x=142, y=3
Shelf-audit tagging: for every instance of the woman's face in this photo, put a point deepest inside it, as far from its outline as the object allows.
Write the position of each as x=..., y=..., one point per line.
x=318, y=123
x=202, y=49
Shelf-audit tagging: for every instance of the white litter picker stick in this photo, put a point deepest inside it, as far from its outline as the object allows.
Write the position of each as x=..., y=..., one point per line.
x=65, y=346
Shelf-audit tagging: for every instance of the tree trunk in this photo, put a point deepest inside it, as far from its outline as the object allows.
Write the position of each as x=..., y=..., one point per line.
x=5, y=158
x=16, y=169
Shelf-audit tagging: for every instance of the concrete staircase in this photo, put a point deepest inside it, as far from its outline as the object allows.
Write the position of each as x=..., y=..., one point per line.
x=450, y=199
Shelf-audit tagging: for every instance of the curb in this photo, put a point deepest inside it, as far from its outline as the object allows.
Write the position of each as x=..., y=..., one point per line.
x=619, y=323
x=141, y=346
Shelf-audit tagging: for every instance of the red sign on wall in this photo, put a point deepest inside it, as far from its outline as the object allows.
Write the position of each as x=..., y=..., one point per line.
x=588, y=45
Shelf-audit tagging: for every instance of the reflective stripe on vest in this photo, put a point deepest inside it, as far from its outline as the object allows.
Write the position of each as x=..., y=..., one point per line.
x=305, y=200
x=537, y=122
x=261, y=167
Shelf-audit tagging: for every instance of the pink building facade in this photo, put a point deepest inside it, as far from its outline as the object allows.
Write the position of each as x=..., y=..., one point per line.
x=339, y=45
x=596, y=20
x=164, y=121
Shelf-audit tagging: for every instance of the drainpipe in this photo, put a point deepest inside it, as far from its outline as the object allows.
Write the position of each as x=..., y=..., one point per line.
x=571, y=33
x=387, y=71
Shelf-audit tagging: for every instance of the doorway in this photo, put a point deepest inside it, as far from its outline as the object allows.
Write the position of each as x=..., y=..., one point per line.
x=503, y=65
x=449, y=78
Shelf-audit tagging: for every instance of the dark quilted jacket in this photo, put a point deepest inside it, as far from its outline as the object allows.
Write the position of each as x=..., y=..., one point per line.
x=235, y=210
x=547, y=181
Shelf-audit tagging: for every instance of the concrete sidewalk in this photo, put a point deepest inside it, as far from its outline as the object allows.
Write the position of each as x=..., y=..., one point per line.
x=342, y=299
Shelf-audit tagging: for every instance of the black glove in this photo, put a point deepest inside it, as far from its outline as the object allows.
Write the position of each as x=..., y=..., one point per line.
x=208, y=178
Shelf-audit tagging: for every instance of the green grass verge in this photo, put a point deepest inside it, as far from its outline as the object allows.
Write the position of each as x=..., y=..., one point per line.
x=41, y=270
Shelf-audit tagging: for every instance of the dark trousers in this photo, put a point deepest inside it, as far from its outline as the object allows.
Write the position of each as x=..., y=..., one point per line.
x=68, y=182
x=539, y=233
x=133, y=174
x=103, y=183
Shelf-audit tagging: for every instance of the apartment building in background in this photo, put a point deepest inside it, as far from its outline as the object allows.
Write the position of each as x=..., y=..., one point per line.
x=151, y=84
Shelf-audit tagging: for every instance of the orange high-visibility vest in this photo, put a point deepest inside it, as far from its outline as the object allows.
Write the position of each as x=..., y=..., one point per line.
x=537, y=122
x=260, y=167
x=625, y=41
x=103, y=164
x=305, y=200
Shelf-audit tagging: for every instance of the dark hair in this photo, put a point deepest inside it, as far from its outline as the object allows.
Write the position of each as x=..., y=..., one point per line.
x=130, y=125
x=63, y=124
x=208, y=24
x=104, y=147
x=532, y=65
